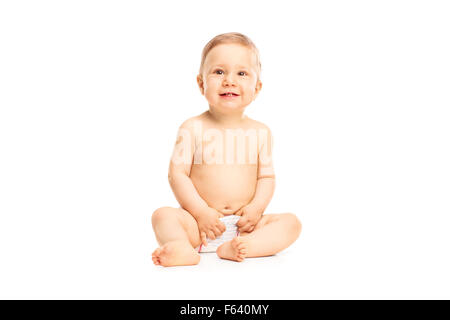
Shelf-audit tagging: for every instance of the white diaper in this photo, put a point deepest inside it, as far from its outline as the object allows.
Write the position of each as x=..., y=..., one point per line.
x=230, y=233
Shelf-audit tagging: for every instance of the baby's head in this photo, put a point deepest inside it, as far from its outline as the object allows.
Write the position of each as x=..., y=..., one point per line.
x=230, y=63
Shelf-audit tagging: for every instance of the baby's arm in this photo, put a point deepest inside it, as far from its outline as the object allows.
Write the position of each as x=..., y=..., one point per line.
x=265, y=187
x=180, y=169
x=185, y=191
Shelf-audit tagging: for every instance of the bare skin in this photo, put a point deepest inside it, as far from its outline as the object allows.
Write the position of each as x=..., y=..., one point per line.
x=209, y=182
x=177, y=233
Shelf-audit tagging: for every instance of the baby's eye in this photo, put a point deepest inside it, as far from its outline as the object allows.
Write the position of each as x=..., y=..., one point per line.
x=218, y=71
x=244, y=73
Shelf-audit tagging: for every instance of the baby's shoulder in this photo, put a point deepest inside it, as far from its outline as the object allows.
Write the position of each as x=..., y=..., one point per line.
x=258, y=124
x=190, y=123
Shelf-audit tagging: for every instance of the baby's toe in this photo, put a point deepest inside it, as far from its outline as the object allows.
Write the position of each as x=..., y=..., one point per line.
x=156, y=256
x=156, y=253
x=240, y=257
x=156, y=261
x=236, y=243
x=242, y=253
x=239, y=243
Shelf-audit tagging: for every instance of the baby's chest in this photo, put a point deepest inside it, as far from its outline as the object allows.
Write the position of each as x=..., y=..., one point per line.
x=225, y=148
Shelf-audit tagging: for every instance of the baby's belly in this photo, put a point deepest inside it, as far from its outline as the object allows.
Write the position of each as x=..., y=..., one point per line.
x=225, y=188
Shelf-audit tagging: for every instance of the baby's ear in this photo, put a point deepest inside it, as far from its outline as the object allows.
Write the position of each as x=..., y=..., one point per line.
x=257, y=88
x=200, y=83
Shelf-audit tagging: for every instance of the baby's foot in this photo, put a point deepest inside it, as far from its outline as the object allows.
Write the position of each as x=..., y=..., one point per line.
x=235, y=249
x=175, y=253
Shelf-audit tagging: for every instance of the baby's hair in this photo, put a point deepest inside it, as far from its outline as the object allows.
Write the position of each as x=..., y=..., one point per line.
x=231, y=37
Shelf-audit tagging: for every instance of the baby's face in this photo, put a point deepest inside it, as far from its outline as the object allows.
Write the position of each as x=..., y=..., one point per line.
x=229, y=68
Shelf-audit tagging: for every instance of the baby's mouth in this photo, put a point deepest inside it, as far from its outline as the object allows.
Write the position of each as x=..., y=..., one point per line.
x=229, y=94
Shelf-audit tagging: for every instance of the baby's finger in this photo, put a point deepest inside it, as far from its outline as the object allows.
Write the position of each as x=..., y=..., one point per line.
x=217, y=232
x=211, y=235
x=245, y=228
x=250, y=226
x=222, y=227
x=204, y=241
x=239, y=212
x=242, y=222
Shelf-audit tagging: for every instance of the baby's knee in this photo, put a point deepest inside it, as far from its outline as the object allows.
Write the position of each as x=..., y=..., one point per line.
x=160, y=214
x=294, y=224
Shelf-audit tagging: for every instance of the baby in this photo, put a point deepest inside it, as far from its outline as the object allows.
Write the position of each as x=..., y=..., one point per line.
x=213, y=177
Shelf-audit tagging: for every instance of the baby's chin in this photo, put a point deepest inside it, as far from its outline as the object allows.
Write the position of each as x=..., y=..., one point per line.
x=230, y=107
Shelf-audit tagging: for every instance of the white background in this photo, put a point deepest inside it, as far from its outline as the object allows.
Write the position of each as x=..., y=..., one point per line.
x=356, y=94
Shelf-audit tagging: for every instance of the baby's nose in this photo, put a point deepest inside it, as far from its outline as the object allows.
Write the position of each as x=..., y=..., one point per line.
x=229, y=79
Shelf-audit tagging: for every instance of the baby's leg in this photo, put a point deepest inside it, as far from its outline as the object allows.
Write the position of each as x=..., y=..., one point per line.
x=177, y=233
x=273, y=233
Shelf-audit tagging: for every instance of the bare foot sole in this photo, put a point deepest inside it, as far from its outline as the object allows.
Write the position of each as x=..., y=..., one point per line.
x=235, y=249
x=175, y=253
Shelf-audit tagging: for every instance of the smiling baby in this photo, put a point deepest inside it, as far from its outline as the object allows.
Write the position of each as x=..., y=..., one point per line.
x=221, y=169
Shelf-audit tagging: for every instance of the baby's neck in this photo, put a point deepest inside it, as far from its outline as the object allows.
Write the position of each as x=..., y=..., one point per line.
x=226, y=119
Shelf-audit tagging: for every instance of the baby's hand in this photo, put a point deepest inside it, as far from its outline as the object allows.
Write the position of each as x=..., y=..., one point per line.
x=250, y=216
x=209, y=224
